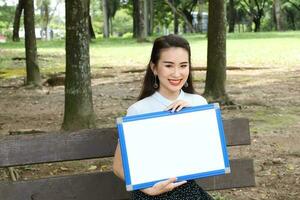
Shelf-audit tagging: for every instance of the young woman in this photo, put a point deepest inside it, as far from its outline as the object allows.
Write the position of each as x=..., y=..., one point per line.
x=167, y=86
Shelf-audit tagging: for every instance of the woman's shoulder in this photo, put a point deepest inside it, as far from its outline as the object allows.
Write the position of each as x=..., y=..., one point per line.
x=140, y=107
x=195, y=99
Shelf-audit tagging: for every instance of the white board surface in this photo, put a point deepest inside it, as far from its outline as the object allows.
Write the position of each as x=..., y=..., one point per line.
x=189, y=144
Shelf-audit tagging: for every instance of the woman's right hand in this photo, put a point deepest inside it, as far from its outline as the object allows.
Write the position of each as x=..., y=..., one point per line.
x=163, y=186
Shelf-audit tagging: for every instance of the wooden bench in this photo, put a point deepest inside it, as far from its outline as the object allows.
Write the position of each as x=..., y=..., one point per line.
x=16, y=150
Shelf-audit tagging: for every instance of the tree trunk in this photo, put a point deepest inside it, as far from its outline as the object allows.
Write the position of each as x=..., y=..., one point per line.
x=232, y=15
x=151, y=17
x=32, y=68
x=79, y=112
x=105, y=19
x=175, y=18
x=256, y=24
x=46, y=21
x=146, y=18
x=141, y=33
x=277, y=14
x=111, y=30
x=91, y=29
x=176, y=23
x=291, y=18
x=136, y=18
x=216, y=54
x=17, y=20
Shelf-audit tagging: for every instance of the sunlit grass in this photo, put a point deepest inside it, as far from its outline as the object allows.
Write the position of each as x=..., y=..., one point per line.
x=270, y=49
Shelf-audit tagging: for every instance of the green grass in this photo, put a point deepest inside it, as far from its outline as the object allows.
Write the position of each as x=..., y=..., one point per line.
x=269, y=49
x=267, y=119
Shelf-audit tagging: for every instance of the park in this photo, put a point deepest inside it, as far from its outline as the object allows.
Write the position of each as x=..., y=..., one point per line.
x=262, y=85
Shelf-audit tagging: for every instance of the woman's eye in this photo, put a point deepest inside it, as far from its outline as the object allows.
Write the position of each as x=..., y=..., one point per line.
x=168, y=66
x=183, y=66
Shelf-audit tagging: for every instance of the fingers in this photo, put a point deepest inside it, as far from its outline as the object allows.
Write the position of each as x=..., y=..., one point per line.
x=177, y=184
x=163, y=186
x=167, y=182
x=171, y=186
x=177, y=106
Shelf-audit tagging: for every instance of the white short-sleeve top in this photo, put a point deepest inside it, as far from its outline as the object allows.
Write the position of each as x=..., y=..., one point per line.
x=157, y=102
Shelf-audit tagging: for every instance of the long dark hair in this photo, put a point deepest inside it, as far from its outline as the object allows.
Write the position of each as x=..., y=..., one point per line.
x=160, y=43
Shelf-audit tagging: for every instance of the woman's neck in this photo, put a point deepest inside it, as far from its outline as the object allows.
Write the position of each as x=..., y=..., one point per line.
x=169, y=95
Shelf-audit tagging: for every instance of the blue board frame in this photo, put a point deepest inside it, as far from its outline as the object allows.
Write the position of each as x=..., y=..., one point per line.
x=126, y=167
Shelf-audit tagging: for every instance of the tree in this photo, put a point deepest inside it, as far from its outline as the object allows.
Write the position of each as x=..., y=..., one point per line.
x=91, y=29
x=291, y=8
x=277, y=14
x=105, y=19
x=175, y=20
x=146, y=19
x=256, y=9
x=295, y=3
x=216, y=53
x=32, y=68
x=79, y=111
x=231, y=15
x=138, y=20
x=184, y=9
x=17, y=18
x=151, y=16
x=46, y=15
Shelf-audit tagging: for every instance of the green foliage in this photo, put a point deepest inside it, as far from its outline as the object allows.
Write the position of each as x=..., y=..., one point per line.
x=122, y=22
x=96, y=14
x=291, y=11
x=6, y=16
x=163, y=14
x=267, y=23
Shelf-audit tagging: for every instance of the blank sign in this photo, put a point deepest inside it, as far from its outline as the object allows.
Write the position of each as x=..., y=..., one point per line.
x=188, y=144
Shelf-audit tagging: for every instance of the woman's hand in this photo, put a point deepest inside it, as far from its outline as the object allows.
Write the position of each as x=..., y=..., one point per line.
x=163, y=186
x=177, y=105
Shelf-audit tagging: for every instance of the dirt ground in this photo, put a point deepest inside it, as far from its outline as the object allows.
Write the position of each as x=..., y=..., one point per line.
x=270, y=98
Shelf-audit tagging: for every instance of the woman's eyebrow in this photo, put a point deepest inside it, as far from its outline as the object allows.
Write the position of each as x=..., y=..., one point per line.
x=170, y=62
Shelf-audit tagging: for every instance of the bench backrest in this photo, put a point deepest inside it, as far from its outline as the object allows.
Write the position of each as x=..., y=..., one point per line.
x=29, y=149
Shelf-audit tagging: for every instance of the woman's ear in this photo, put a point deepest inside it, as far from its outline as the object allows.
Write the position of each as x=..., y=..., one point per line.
x=153, y=68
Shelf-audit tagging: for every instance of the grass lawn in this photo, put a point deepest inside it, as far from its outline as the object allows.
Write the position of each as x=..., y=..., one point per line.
x=269, y=49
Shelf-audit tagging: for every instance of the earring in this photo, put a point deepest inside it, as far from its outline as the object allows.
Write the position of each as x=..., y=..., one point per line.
x=186, y=84
x=155, y=85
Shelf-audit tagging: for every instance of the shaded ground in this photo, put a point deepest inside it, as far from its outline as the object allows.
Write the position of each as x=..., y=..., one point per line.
x=270, y=98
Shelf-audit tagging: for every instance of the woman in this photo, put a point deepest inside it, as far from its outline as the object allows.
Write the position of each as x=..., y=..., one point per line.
x=167, y=86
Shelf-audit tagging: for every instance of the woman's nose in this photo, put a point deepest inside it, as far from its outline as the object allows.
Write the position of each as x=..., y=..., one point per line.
x=176, y=71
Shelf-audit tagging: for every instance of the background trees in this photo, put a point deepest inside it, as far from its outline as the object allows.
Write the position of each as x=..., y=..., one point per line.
x=139, y=19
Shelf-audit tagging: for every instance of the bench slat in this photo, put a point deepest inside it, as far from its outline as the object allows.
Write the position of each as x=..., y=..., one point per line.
x=94, y=143
x=242, y=175
x=95, y=186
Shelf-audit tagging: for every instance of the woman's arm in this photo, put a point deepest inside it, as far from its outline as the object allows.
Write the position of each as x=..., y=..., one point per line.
x=117, y=163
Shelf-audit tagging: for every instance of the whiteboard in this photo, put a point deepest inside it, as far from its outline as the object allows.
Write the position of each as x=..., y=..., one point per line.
x=188, y=144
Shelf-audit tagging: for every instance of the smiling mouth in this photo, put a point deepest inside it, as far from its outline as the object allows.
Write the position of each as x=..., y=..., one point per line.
x=175, y=82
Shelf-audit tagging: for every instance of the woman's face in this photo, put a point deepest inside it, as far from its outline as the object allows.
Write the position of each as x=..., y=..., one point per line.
x=172, y=70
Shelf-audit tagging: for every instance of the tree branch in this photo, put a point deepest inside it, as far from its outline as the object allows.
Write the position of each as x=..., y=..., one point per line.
x=294, y=4
x=182, y=15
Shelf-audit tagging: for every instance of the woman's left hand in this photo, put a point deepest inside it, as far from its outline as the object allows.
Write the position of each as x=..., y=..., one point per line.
x=177, y=105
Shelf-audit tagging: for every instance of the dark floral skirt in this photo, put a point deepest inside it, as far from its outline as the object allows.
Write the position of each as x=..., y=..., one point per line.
x=188, y=191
